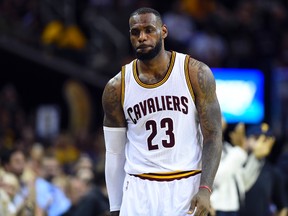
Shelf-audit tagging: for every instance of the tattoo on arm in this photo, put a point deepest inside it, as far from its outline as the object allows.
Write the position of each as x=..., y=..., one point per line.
x=111, y=102
x=208, y=102
x=210, y=119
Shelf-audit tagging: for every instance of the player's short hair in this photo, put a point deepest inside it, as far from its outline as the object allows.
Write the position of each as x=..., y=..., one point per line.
x=145, y=10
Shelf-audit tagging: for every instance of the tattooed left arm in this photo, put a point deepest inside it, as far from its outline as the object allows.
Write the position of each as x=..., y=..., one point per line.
x=204, y=88
x=208, y=108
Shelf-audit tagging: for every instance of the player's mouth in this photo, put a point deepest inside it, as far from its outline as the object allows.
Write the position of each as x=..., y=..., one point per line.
x=143, y=47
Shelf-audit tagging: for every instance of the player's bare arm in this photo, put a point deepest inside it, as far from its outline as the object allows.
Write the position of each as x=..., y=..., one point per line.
x=113, y=112
x=208, y=108
x=111, y=101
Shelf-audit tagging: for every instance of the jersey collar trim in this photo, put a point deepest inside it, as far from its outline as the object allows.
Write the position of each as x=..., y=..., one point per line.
x=172, y=61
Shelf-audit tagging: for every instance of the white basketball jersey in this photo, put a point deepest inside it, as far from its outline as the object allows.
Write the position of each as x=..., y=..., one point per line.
x=163, y=132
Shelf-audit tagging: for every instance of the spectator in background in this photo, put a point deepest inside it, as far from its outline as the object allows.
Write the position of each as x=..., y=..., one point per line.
x=33, y=166
x=9, y=186
x=268, y=188
x=50, y=197
x=238, y=172
x=13, y=161
x=87, y=198
x=229, y=189
x=257, y=180
x=65, y=151
x=84, y=162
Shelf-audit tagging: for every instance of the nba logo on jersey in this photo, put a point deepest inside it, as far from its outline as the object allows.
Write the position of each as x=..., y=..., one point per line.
x=127, y=183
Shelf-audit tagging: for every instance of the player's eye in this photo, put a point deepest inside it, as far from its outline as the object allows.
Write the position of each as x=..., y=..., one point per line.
x=149, y=30
x=134, y=32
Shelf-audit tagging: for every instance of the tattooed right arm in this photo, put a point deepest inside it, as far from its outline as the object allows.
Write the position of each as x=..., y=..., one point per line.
x=115, y=140
x=111, y=102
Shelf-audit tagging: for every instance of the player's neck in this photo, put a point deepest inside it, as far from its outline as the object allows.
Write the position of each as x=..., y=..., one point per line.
x=157, y=65
x=154, y=70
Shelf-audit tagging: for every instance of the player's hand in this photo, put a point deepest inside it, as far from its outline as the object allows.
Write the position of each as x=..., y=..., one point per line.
x=200, y=204
x=114, y=213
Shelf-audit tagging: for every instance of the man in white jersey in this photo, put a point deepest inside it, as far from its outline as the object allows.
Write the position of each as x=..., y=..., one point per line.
x=162, y=128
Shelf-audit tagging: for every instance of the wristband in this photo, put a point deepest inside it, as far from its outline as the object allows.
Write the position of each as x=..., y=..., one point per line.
x=206, y=187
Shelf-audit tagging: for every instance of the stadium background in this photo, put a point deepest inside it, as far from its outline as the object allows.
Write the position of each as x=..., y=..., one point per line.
x=51, y=49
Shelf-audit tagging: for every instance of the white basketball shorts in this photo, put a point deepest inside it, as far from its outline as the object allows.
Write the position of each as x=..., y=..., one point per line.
x=158, y=198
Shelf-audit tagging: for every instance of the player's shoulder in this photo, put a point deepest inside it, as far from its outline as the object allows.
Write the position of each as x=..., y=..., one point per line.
x=198, y=69
x=194, y=64
x=113, y=86
x=197, y=65
x=112, y=91
x=201, y=76
x=117, y=78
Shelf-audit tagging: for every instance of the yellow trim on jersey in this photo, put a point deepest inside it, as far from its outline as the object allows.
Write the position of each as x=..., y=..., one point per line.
x=172, y=61
x=168, y=176
x=122, y=85
x=186, y=68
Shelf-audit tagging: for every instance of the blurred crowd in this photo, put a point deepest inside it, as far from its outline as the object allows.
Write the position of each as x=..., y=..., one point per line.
x=59, y=174
x=240, y=33
x=62, y=174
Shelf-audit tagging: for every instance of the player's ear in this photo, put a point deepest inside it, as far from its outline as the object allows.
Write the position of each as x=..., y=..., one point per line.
x=164, y=31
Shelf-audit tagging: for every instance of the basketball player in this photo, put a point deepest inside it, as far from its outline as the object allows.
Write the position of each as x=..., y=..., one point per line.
x=162, y=128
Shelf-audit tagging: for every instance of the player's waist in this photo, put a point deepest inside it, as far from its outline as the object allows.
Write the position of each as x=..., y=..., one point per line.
x=167, y=176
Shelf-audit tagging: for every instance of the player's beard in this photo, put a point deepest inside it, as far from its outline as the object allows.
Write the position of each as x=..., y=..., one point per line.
x=151, y=53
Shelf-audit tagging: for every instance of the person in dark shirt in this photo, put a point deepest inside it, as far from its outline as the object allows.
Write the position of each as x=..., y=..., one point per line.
x=268, y=189
x=86, y=197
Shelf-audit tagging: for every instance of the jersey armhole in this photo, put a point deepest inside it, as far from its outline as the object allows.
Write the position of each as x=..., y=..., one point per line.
x=188, y=80
x=122, y=85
